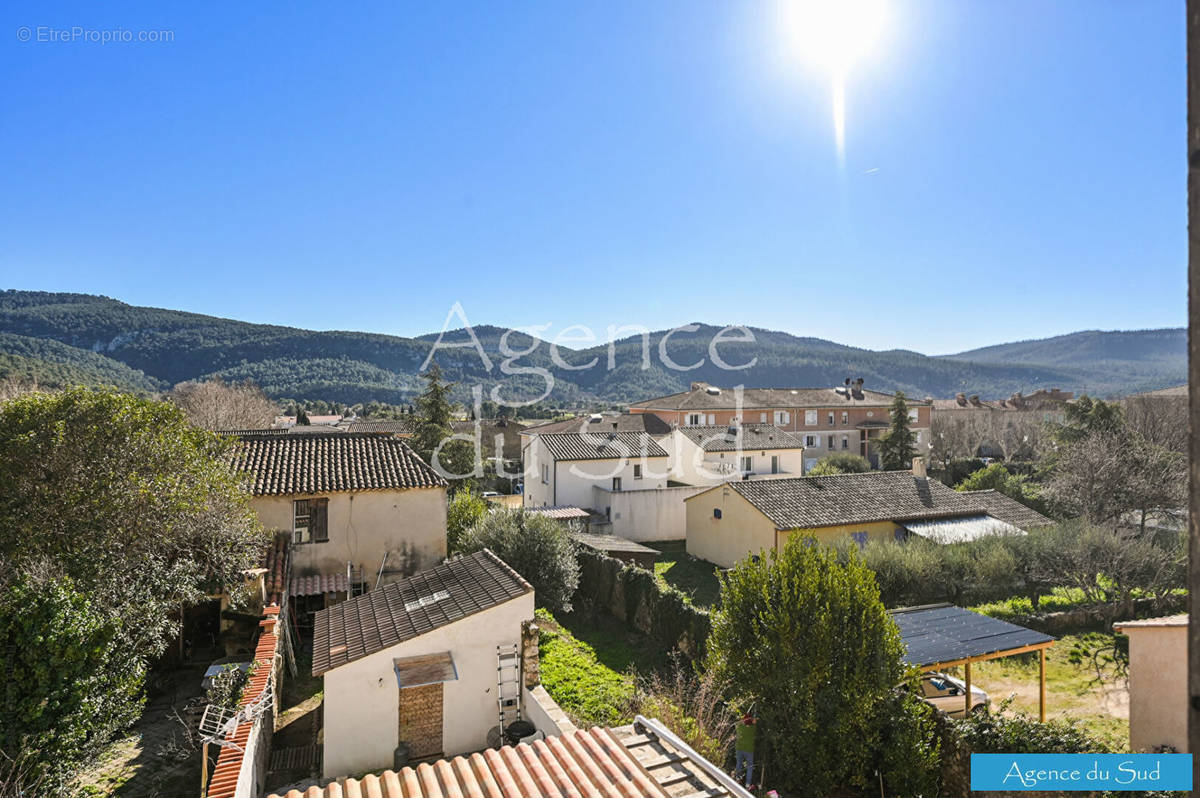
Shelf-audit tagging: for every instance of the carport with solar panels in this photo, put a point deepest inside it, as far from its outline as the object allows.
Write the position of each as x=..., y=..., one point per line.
x=939, y=636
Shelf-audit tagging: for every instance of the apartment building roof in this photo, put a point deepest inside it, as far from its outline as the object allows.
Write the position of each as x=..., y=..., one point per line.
x=282, y=465
x=402, y=610
x=702, y=396
x=810, y=502
x=624, y=762
x=744, y=437
x=604, y=423
x=601, y=446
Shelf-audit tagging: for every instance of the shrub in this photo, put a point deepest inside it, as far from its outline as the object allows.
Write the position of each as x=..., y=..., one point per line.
x=462, y=512
x=538, y=548
x=1002, y=732
x=997, y=477
x=68, y=686
x=840, y=463
x=803, y=637
x=692, y=705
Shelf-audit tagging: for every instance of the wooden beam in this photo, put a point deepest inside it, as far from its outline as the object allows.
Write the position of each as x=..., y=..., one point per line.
x=985, y=657
x=1042, y=685
x=967, y=700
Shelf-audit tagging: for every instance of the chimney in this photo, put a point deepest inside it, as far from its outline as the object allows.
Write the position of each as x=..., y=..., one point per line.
x=961, y=398
x=918, y=467
x=975, y=399
x=699, y=386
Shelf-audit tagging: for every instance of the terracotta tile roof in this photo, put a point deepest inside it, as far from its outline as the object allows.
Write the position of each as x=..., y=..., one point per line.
x=319, y=584
x=403, y=610
x=561, y=512
x=748, y=437
x=276, y=563
x=805, y=502
x=1167, y=620
x=702, y=398
x=626, y=762
x=609, y=446
x=228, y=770
x=605, y=423
x=1008, y=510
x=281, y=465
x=389, y=425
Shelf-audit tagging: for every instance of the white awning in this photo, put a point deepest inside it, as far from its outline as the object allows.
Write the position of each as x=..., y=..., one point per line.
x=960, y=530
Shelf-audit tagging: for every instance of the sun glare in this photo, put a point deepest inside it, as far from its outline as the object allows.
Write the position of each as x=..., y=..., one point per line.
x=833, y=35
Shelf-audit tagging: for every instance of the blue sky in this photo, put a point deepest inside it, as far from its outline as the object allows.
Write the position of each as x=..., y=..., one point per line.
x=1012, y=170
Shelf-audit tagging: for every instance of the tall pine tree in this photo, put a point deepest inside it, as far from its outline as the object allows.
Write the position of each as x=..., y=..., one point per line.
x=898, y=447
x=434, y=412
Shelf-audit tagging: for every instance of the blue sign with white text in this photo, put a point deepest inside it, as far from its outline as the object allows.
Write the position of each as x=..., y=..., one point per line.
x=1081, y=772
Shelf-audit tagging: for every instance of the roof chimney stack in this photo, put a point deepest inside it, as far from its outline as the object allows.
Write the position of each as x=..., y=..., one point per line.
x=918, y=467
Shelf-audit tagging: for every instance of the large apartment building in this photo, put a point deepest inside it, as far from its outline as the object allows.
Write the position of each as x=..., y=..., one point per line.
x=843, y=418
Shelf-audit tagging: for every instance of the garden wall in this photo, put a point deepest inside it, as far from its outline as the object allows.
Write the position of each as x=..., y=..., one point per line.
x=635, y=596
x=1098, y=617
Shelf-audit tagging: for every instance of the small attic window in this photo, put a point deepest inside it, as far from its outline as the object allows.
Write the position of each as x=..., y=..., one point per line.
x=425, y=601
x=717, y=512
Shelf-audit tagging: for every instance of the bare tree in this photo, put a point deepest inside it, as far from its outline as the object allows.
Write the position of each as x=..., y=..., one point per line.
x=1162, y=420
x=217, y=405
x=13, y=385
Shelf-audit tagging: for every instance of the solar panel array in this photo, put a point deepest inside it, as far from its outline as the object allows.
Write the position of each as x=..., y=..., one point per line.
x=946, y=633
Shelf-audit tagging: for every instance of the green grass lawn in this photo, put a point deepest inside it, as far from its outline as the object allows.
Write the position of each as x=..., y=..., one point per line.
x=696, y=579
x=1102, y=708
x=588, y=664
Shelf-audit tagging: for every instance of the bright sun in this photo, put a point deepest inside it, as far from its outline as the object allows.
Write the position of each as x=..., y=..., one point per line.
x=833, y=35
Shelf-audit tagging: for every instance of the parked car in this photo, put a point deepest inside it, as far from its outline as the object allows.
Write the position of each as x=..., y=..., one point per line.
x=948, y=694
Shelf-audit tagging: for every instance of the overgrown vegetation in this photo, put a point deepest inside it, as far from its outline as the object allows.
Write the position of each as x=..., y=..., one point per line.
x=464, y=510
x=590, y=692
x=839, y=463
x=696, y=579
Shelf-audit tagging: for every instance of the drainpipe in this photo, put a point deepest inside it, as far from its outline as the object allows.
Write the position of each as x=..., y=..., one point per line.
x=722, y=778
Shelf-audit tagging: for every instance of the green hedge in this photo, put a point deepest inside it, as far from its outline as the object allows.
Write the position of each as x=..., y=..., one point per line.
x=636, y=597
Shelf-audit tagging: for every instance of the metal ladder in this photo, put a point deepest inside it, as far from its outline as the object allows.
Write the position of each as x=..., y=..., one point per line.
x=354, y=580
x=508, y=685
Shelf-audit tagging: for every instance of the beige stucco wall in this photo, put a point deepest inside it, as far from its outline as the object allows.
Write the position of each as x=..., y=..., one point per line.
x=693, y=466
x=739, y=532
x=1157, y=687
x=878, y=530
x=362, y=698
x=644, y=515
x=409, y=525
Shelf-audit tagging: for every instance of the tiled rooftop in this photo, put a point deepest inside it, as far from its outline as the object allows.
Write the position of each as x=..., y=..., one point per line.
x=625, y=762
x=702, y=397
x=1008, y=510
x=746, y=438
x=403, y=610
x=281, y=465
x=605, y=423
x=804, y=502
x=606, y=446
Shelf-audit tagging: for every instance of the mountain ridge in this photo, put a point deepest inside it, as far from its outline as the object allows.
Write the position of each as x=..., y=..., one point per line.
x=159, y=347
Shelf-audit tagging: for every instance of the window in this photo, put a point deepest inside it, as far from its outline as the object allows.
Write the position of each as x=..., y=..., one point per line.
x=845, y=441
x=545, y=474
x=310, y=520
x=717, y=513
x=782, y=417
x=774, y=464
x=845, y=417
x=637, y=470
x=762, y=418
x=712, y=418
x=918, y=436
x=913, y=416
x=900, y=535
x=616, y=484
x=831, y=442
x=860, y=538
x=831, y=418
x=810, y=417
x=695, y=419
x=811, y=441
x=747, y=465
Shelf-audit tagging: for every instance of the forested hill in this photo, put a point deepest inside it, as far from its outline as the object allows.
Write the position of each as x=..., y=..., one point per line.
x=98, y=340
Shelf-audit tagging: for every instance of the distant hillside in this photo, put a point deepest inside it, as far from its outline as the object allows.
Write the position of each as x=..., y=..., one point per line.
x=1145, y=359
x=170, y=346
x=51, y=364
